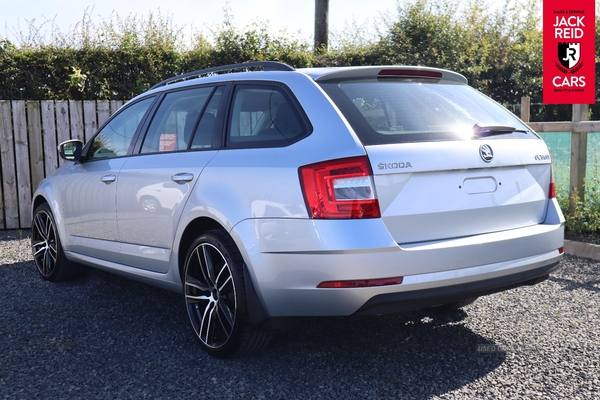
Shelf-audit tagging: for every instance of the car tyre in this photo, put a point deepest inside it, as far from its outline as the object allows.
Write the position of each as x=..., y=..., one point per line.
x=215, y=297
x=48, y=254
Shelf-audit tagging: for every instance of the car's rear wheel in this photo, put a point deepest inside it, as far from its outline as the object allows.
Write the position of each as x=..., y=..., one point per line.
x=215, y=297
x=48, y=254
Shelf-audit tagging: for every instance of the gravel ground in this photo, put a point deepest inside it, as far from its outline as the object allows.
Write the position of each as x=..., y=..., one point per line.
x=103, y=336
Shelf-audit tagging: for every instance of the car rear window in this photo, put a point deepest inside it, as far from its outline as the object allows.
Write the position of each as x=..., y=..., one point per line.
x=397, y=110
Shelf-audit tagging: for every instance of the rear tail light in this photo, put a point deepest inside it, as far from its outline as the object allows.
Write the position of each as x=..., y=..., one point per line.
x=340, y=189
x=552, y=191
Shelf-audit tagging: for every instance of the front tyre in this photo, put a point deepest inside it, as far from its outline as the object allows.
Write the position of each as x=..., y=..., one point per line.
x=215, y=297
x=47, y=251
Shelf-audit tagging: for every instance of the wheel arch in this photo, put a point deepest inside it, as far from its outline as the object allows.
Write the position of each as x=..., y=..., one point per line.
x=257, y=312
x=194, y=229
x=39, y=199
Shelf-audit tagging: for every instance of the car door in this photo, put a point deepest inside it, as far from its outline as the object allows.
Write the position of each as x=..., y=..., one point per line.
x=89, y=187
x=155, y=184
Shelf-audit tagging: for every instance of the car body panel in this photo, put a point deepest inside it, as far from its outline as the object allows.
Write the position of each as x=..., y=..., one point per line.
x=87, y=195
x=153, y=191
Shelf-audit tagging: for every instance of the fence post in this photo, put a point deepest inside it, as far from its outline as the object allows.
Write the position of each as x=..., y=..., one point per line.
x=578, y=157
x=525, y=109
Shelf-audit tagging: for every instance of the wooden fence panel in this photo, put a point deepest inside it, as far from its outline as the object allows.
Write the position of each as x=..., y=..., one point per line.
x=63, y=126
x=49, y=137
x=22, y=162
x=103, y=112
x=76, y=114
x=115, y=105
x=9, y=212
x=90, y=119
x=36, y=143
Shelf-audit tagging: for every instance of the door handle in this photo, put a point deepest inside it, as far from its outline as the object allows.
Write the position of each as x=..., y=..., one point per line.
x=182, y=177
x=108, y=178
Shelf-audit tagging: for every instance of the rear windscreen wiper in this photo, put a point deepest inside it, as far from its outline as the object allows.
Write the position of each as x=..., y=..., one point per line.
x=489, y=130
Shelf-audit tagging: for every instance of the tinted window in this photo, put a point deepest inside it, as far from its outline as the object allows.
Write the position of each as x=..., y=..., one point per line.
x=175, y=122
x=202, y=137
x=114, y=139
x=394, y=111
x=263, y=116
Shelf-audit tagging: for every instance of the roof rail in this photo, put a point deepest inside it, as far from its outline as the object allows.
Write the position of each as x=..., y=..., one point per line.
x=266, y=66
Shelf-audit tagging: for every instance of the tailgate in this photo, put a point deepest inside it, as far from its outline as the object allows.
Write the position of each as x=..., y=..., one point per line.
x=439, y=190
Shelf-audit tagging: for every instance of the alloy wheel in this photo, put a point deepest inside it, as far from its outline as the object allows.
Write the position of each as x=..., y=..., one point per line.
x=44, y=243
x=210, y=295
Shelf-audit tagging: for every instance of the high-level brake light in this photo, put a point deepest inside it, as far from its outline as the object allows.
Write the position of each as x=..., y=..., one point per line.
x=409, y=73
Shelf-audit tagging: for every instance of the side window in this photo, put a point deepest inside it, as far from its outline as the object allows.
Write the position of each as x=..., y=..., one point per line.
x=114, y=139
x=203, y=134
x=263, y=116
x=176, y=120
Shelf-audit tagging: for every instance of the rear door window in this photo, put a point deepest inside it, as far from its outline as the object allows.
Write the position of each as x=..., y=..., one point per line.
x=177, y=125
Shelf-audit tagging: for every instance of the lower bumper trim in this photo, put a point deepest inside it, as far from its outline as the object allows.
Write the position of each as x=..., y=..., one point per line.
x=420, y=299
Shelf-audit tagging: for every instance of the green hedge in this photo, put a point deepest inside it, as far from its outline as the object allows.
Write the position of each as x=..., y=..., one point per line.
x=498, y=51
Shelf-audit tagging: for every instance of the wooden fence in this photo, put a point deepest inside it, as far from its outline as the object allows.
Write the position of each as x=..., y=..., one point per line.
x=29, y=134
x=31, y=130
x=579, y=126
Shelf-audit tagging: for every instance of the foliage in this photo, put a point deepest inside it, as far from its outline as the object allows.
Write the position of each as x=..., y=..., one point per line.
x=496, y=45
x=584, y=217
x=582, y=213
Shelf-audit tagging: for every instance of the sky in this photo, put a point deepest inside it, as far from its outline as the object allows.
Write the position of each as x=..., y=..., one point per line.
x=296, y=17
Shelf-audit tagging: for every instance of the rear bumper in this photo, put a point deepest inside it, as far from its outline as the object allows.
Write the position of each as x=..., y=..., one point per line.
x=288, y=259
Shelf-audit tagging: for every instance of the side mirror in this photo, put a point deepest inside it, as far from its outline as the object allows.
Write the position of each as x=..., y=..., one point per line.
x=71, y=150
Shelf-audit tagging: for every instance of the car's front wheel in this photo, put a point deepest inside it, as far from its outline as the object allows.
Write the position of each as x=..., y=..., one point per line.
x=48, y=254
x=215, y=297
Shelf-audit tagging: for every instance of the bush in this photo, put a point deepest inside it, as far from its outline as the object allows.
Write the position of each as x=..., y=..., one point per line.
x=582, y=215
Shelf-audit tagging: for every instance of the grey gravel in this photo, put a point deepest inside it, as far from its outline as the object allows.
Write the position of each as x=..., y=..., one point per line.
x=103, y=336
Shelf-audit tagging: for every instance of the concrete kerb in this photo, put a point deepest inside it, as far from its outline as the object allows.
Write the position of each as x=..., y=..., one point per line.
x=584, y=250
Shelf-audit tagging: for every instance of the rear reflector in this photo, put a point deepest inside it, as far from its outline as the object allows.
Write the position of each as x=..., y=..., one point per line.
x=395, y=73
x=360, y=283
x=561, y=250
x=340, y=189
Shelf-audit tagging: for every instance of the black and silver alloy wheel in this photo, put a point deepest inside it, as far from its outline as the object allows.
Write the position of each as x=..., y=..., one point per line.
x=47, y=251
x=210, y=295
x=215, y=297
x=43, y=243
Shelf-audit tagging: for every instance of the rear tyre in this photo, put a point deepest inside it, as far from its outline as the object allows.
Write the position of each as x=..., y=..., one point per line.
x=47, y=251
x=215, y=297
x=453, y=306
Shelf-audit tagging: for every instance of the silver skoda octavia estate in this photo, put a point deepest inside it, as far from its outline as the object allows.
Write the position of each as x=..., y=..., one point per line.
x=271, y=192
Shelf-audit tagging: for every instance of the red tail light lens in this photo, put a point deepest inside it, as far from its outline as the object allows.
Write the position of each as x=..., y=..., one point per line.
x=340, y=189
x=552, y=192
